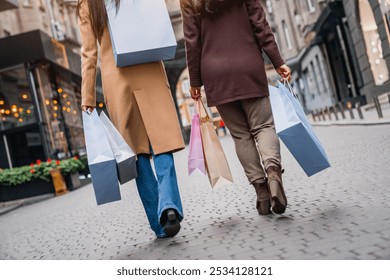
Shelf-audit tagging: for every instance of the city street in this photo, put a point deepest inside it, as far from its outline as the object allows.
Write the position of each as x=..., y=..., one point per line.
x=340, y=213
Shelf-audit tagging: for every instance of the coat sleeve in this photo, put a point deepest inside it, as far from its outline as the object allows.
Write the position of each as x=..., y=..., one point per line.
x=192, y=41
x=89, y=53
x=263, y=32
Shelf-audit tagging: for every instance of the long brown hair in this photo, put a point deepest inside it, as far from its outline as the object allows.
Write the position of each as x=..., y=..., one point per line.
x=97, y=14
x=212, y=6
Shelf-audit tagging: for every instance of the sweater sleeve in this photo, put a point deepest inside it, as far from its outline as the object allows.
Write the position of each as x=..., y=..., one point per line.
x=263, y=32
x=89, y=53
x=192, y=41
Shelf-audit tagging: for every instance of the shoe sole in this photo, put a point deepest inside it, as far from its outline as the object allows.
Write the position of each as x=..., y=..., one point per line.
x=172, y=226
x=278, y=206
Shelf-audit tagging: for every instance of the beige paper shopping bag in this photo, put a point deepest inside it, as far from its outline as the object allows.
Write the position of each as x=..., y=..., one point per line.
x=217, y=166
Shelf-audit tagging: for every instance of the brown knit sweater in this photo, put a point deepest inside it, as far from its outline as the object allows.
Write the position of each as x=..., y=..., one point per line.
x=224, y=51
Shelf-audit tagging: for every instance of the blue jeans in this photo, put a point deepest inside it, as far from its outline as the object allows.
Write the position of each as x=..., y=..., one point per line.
x=161, y=193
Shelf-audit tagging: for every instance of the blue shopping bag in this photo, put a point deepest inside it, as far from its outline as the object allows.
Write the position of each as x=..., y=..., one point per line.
x=295, y=131
x=101, y=160
x=125, y=157
x=141, y=31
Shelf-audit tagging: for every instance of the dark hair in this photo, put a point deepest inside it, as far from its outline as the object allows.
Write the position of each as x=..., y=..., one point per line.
x=97, y=14
x=212, y=6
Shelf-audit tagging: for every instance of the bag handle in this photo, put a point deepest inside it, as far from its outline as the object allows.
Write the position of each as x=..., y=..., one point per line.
x=285, y=82
x=206, y=118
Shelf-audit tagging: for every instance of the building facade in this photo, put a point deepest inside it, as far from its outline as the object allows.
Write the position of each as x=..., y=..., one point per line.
x=339, y=50
x=40, y=79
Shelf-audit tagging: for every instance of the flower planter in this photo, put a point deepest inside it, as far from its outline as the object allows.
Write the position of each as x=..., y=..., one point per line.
x=28, y=189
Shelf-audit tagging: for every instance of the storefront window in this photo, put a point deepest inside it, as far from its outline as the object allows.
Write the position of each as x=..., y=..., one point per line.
x=385, y=7
x=62, y=117
x=373, y=43
x=54, y=129
x=69, y=99
x=16, y=104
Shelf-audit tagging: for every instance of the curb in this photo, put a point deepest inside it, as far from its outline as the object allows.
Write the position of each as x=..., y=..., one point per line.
x=350, y=123
x=8, y=206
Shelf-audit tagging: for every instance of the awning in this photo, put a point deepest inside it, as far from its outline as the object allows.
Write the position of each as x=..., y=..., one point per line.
x=37, y=45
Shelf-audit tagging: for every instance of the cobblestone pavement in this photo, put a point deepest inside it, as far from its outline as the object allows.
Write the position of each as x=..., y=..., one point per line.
x=340, y=213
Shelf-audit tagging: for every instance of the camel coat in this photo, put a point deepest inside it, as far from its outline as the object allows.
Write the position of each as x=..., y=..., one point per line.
x=138, y=97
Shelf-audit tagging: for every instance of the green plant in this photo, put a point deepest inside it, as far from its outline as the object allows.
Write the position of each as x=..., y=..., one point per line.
x=39, y=170
x=72, y=165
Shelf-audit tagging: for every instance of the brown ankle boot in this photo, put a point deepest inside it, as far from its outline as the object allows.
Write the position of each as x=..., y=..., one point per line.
x=262, y=201
x=275, y=185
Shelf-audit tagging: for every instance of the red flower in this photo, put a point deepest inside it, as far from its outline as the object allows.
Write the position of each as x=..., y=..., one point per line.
x=32, y=164
x=58, y=162
x=32, y=171
x=76, y=157
x=39, y=161
x=48, y=160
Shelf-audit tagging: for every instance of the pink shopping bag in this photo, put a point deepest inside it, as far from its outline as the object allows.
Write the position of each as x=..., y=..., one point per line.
x=195, y=154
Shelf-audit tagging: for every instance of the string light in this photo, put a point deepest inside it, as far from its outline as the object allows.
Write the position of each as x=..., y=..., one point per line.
x=59, y=90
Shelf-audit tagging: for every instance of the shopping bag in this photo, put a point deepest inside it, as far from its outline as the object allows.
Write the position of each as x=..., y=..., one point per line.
x=125, y=157
x=295, y=131
x=140, y=31
x=218, y=170
x=101, y=160
x=195, y=151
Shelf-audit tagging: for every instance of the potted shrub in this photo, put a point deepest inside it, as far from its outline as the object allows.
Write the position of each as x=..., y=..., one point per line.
x=26, y=181
x=35, y=179
x=70, y=169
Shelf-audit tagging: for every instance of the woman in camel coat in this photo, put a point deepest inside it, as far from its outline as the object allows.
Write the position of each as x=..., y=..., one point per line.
x=140, y=105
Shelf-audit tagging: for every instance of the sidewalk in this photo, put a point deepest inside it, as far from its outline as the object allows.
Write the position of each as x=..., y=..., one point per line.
x=341, y=213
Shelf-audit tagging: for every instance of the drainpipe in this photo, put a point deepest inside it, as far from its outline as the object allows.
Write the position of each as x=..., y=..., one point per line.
x=344, y=50
x=52, y=21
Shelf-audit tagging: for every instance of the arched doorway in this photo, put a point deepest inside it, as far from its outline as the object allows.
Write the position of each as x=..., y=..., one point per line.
x=373, y=43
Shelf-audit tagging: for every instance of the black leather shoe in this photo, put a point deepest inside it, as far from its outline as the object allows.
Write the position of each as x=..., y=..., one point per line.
x=170, y=222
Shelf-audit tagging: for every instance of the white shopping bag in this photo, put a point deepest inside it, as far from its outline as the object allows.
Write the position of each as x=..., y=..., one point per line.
x=141, y=31
x=101, y=161
x=295, y=131
x=124, y=155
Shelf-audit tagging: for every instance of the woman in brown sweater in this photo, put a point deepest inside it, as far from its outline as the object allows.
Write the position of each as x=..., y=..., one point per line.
x=224, y=41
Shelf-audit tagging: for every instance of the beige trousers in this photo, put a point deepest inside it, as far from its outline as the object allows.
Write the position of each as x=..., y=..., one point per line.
x=250, y=122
